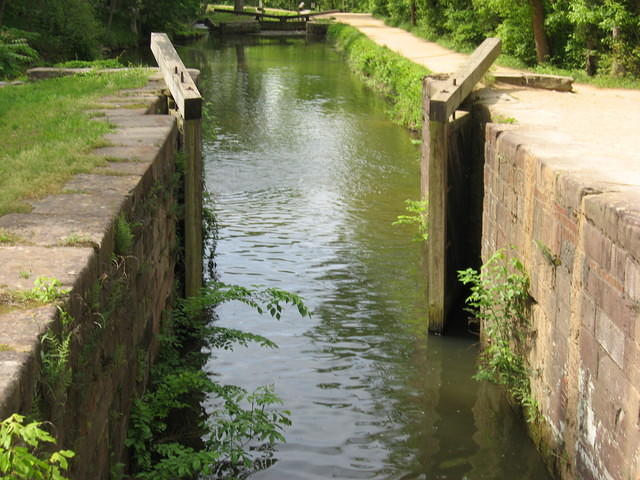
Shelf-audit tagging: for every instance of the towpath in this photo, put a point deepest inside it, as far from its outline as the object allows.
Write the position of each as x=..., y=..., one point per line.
x=596, y=130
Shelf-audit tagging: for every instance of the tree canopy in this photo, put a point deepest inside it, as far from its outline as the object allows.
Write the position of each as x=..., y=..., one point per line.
x=79, y=29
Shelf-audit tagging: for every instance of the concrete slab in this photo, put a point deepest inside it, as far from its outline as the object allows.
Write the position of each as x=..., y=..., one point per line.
x=102, y=184
x=56, y=230
x=80, y=204
x=20, y=329
x=123, y=168
x=137, y=153
x=62, y=263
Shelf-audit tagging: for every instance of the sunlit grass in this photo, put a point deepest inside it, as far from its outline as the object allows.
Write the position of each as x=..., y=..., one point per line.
x=46, y=135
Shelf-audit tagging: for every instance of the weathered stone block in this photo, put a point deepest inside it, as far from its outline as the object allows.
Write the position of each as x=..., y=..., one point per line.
x=610, y=337
x=596, y=246
x=632, y=278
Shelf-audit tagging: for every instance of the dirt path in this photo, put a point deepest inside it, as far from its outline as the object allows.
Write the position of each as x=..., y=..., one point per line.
x=601, y=127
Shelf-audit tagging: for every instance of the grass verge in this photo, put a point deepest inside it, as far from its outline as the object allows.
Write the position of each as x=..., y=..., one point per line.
x=396, y=77
x=47, y=136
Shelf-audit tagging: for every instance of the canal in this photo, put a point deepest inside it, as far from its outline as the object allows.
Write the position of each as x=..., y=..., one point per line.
x=307, y=174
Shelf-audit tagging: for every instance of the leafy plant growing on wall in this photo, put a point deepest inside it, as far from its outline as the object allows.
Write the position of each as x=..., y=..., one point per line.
x=241, y=430
x=45, y=290
x=499, y=300
x=56, y=374
x=417, y=215
x=21, y=457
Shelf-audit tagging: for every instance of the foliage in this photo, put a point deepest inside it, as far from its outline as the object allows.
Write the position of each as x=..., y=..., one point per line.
x=242, y=429
x=55, y=373
x=64, y=28
x=105, y=63
x=45, y=290
x=46, y=135
x=78, y=29
x=15, y=52
x=20, y=455
x=123, y=236
x=417, y=210
x=398, y=78
x=499, y=300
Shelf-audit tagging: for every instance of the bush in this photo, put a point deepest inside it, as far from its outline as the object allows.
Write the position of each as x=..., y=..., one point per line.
x=66, y=28
x=15, y=52
x=19, y=456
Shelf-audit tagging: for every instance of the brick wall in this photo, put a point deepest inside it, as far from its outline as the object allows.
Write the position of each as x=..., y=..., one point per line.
x=579, y=238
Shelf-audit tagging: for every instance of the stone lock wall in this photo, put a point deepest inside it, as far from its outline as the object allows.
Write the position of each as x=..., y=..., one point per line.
x=120, y=290
x=579, y=238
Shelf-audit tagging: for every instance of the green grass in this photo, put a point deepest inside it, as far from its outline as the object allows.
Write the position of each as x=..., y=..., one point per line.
x=104, y=63
x=398, y=78
x=46, y=136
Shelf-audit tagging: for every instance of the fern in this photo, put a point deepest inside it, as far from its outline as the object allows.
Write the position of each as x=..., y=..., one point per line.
x=15, y=52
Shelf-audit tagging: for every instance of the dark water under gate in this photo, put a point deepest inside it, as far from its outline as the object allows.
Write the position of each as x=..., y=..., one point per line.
x=307, y=175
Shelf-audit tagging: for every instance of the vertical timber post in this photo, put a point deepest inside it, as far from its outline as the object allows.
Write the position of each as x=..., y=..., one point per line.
x=188, y=103
x=192, y=145
x=434, y=191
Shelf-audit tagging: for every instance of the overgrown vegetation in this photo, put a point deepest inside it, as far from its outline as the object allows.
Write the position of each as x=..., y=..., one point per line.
x=47, y=136
x=80, y=29
x=22, y=456
x=241, y=432
x=499, y=301
x=15, y=52
x=417, y=215
x=396, y=77
x=55, y=372
x=598, y=37
x=123, y=236
x=45, y=290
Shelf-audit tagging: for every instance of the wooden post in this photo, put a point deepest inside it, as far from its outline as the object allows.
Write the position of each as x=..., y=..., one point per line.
x=434, y=174
x=192, y=135
x=442, y=96
x=189, y=104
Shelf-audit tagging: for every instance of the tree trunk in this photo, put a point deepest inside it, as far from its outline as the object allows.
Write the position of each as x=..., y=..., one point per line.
x=135, y=16
x=617, y=68
x=413, y=13
x=238, y=5
x=112, y=8
x=2, y=4
x=539, y=35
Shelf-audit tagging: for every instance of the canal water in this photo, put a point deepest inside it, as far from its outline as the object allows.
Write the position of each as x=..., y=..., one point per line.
x=307, y=175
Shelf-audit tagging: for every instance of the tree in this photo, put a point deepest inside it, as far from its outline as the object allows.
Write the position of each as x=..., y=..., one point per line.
x=539, y=34
x=2, y=5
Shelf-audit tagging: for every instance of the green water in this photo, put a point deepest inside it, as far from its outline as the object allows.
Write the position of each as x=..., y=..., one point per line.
x=307, y=175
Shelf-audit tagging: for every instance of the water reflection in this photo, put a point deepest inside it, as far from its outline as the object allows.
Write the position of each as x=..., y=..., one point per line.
x=308, y=175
